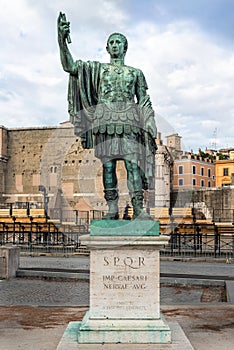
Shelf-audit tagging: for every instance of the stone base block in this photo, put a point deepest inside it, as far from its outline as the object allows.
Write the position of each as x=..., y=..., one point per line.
x=99, y=331
x=9, y=261
x=69, y=341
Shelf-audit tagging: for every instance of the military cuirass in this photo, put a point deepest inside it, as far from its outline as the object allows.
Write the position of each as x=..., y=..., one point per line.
x=117, y=84
x=117, y=111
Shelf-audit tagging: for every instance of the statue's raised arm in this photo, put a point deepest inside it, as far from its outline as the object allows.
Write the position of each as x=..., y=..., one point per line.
x=63, y=28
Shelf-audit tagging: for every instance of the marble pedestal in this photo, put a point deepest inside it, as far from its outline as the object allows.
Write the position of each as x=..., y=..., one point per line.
x=124, y=284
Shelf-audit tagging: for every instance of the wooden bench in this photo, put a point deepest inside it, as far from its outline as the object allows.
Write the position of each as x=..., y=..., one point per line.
x=4, y=213
x=37, y=213
x=179, y=215
x=182, y=212
x=6, y=219
x=204, y=222
x=182, y=215
x=160, y=214
x=19, y=212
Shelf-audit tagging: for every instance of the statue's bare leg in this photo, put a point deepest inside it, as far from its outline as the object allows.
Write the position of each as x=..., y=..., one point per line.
x=134, y=181
x=110, y=189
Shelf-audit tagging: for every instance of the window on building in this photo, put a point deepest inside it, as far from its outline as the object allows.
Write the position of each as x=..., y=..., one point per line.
x=208, y=183
x=181, y=182
x=53, y=169
x=194, y=182
x=202, y=183
x=194, y=169
x=209, y=173
x=225, y=171
x=181, y=169
x=202, y=171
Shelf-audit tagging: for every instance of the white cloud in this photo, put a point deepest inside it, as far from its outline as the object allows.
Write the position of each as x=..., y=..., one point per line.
x=190, y=77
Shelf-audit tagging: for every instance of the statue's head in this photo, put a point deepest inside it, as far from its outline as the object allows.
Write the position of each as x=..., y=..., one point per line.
x=117, y=45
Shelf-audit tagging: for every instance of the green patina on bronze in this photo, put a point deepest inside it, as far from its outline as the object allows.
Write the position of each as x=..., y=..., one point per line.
x=124, y=228
x=112, y=112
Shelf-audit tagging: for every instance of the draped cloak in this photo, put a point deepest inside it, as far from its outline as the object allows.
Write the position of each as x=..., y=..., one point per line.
x=82, y=101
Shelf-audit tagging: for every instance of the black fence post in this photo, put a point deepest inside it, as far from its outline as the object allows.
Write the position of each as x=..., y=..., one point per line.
x=171, y=242
x=216, y=240
x=76, y=213
x=14, y=219
x=7, y=234
x=194, y=232
x=233, y=246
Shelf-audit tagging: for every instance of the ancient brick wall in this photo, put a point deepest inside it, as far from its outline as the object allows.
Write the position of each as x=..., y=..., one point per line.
x=213, y=201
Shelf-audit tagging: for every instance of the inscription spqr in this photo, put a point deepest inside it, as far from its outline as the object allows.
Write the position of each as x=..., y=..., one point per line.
x=126, y=285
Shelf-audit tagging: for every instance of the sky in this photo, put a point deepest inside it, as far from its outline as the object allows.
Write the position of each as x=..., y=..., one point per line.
x=184, y=47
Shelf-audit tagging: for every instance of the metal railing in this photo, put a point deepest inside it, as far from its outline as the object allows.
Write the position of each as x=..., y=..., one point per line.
x=61, y=232
x=200, y=245
x=180, y=244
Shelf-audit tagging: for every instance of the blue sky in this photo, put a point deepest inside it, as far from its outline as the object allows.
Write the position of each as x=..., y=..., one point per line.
x=185, y=49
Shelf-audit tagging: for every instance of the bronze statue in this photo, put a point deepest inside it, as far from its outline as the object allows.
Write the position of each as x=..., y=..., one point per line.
x=111, y=111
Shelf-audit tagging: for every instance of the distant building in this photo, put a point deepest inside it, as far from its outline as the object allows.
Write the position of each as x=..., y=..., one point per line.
x=192, y=172
x=173, y=144
x=225, y=170
x=227, y=151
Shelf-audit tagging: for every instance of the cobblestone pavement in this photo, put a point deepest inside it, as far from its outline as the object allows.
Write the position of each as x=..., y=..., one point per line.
x=21, y=291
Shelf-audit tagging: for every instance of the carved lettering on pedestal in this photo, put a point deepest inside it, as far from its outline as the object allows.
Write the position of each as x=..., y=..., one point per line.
x=123, y=282
x=133, y=263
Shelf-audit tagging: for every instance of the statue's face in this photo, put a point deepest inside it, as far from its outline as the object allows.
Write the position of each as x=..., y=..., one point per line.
x=115, y=46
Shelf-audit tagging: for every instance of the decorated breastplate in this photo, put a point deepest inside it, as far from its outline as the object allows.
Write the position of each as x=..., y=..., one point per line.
x=117, y=84
x=116, y=111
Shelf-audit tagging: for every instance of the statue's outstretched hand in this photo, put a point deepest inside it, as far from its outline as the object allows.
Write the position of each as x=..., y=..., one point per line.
x=63, y=28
